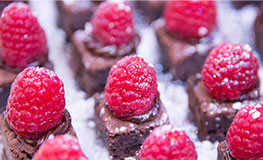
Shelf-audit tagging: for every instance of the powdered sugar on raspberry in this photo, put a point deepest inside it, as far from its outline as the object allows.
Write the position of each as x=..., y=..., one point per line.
x=173, y=94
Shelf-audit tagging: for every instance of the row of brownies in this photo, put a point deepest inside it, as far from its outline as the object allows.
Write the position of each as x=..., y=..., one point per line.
x=129, y=108
x=187, y=32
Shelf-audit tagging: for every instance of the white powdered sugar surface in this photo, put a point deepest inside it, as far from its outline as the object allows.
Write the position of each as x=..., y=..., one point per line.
x=235, y=25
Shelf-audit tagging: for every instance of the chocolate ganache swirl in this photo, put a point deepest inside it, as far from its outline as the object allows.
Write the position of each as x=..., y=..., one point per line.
x=99, y=48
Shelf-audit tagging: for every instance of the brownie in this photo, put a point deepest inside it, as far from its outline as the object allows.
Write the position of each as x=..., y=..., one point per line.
x=180, y=57
x=72, y=15
x=240, y=4
x=211, y=116
x=223, y=152
x=152, y=9
x=258, y=29
x=91, y=60
x=17, y=148
x=124, y=137
x=7, y=76
x=4, y=3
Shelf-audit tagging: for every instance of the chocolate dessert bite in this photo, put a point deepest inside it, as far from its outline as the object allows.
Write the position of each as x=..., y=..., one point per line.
x=229, y=80
x=152, y=9
x=130, y=108
x=241, y=4
x=109, y=37
x=35, y=110
x=185, y=36
x=258, y=29
x=72, y=15
x=3, y=4
x=23, y=44
x=244, y=138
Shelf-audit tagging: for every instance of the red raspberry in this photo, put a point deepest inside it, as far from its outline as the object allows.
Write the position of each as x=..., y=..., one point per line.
x=36, y=102
x=131, y=87
x=190, y=19
x=244, y=137
x=113, y=23
x=63, y=147
x=229, y=71
x=22, y=39
x=167, y=143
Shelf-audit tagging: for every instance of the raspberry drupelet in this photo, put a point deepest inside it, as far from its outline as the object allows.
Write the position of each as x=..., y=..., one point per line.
x=63, y=147
x=168, y=143
x=244, y=138
x=130, y=108
x=229, y=80
x=35, y=110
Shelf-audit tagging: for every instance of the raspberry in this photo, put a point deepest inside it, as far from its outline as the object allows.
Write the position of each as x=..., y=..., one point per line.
x=229, y=71
x=113, y=23
x=63, y=147
x=131, y=87
x=167, y=143
x=36, y=102
x=192, y=19
x=244, y=137
x=22, y=39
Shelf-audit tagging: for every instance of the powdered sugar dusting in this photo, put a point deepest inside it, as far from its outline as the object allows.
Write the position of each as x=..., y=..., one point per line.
x=234, y=28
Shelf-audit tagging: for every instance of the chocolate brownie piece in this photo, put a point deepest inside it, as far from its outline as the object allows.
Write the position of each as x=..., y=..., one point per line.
x=152, y=9
x=180, y=57
x=17, y=148
x=124, y=138
x=92, y=61
x=258, y=29
x=240, y=4
x=73, y=15
x=4, y=3
x=211, y=116
x=223, y=152
x=7, y=76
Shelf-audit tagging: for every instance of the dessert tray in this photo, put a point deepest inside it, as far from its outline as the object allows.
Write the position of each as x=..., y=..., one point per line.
x=234, y=25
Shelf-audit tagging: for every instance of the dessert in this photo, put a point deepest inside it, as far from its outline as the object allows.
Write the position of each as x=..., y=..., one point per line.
x=185, y=36
x=258, y=28
x=35, y=110
x=72, y=15
x=244, y=139
x=130, y=107
x=100, y=45
x=152, y=9
x=60, y=148
x=167, y=142
x=229, y=81
x=241, y=4
x=23, y=43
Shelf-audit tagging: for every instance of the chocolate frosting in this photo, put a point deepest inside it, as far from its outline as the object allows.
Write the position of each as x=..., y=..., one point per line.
x=40, y=62
x=148, y=116
x=116, y=126
x=99, y=48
